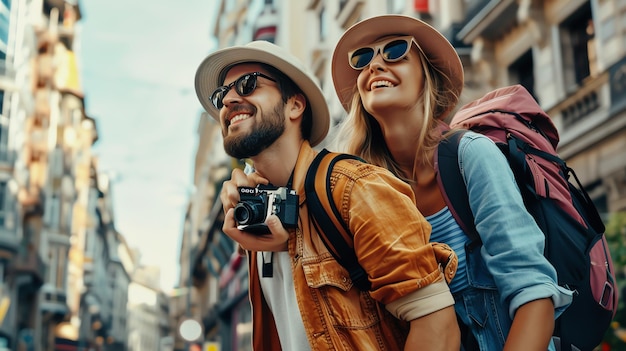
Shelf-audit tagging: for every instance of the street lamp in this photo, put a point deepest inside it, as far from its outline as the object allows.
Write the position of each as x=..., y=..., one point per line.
x=190, y=330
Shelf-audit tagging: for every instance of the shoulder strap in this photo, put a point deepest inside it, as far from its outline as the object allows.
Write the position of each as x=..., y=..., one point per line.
x=452, y=185
x=333, y=231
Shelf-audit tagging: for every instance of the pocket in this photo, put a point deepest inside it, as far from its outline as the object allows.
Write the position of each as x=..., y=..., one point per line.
x=487, y=318
x=346, y=305
x=478, y=275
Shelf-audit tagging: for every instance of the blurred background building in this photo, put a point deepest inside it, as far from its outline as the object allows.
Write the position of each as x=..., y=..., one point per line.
x=570, y=54
x=69, y=280
x=65, y=271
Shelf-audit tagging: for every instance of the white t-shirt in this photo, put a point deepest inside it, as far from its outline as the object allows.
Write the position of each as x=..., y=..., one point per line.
x=280, y=296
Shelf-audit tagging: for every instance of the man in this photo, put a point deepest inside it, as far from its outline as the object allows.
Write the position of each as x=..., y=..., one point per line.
x=272, y=112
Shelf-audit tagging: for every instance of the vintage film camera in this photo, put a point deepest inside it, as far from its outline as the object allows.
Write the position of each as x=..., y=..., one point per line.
x=256, y=204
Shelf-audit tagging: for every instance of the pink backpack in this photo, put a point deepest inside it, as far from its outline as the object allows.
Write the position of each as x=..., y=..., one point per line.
x=575, y=241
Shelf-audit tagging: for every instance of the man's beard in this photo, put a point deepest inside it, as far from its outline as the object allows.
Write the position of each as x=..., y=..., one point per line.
x=265, y=132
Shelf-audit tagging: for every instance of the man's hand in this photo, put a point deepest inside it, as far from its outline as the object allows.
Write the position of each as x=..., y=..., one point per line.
x=230, y=195
x=276, y=240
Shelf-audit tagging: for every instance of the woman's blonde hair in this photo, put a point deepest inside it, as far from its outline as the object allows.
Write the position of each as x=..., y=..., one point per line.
x=361, y=135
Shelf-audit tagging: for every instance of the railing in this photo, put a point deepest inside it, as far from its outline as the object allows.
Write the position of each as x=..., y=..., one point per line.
x=7, y=156
x=7, y=70
x=582, y=104
x=28, y=262
x=8, y=237
x=55, y=304
x=580, y=109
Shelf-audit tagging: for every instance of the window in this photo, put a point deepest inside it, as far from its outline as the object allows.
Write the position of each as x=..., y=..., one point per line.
x=220, y=254
x=7, y=206
x=61, y=267
x=77, y=117
x=577, y=44
x=53, y=212
x=473, y=7
x=65, y=219
x=323, y=24
x=342, y=4
x=4, y=132
x=5, y=15
x=522, y=71
x=3, y=212
x=52, y=267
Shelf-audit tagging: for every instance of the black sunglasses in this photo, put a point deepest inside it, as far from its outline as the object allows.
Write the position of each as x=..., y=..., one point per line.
x=392, y=50
x=244, y=86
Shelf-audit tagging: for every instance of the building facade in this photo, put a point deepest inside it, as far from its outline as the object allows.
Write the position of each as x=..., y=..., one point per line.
x=64, y=268
x=570, y=54
x=148, y=325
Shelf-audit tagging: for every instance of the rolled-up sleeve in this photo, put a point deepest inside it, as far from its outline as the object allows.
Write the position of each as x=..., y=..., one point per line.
x=422, y=302
x=391, y=237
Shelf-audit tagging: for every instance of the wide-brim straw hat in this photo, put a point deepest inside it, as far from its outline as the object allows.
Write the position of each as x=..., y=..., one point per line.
x=434, y=45
x=212, y=71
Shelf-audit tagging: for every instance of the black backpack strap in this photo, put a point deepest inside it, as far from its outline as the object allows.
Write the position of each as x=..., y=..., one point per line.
x=333, y=231
x=452, y=185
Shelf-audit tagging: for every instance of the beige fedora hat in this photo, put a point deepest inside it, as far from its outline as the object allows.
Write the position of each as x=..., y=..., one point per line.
x=212, y=71
x=436, y=47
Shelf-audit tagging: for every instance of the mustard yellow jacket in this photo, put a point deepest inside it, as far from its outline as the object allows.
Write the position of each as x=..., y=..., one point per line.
x=391, y=240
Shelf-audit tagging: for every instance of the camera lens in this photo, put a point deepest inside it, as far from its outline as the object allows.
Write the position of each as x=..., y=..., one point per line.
x=246, y=214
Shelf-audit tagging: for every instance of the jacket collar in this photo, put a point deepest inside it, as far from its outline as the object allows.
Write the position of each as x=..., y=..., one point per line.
x=305, y=158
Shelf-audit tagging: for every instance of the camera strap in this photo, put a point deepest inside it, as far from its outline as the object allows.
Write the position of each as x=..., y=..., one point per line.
x=267, y=269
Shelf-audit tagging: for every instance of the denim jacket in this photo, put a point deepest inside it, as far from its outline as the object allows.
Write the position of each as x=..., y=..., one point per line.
x=391, y=240
x=509, y=269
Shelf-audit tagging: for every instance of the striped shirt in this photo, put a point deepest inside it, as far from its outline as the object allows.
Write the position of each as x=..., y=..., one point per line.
x=446, y=230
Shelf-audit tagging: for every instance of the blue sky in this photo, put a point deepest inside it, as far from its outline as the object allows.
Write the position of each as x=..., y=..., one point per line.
x=138, y=59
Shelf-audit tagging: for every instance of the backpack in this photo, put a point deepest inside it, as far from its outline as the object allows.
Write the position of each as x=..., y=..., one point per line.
x=333, y=231
x=575, y=243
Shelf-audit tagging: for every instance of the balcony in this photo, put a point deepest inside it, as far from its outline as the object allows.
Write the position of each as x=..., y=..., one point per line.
x=14, y=78
x=54, y=303
x=29, y=268
x=8, y=242
x=26, y=98
x=63, y=16
x=488, y=19
x=451, y=33
x=45, y=69
x=37, y=141
x=7, y=76
x=7, y=159
x=617, y=81
x=349, y=12
x=588, y=116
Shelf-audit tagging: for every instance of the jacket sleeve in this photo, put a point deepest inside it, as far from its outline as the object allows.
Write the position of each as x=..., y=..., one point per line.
x=391, y=237
x=513, y=244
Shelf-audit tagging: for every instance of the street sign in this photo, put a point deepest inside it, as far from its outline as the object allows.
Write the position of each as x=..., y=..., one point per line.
x=212, y=346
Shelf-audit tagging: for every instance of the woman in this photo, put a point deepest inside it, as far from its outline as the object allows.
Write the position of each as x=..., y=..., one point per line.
x=399, y=78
